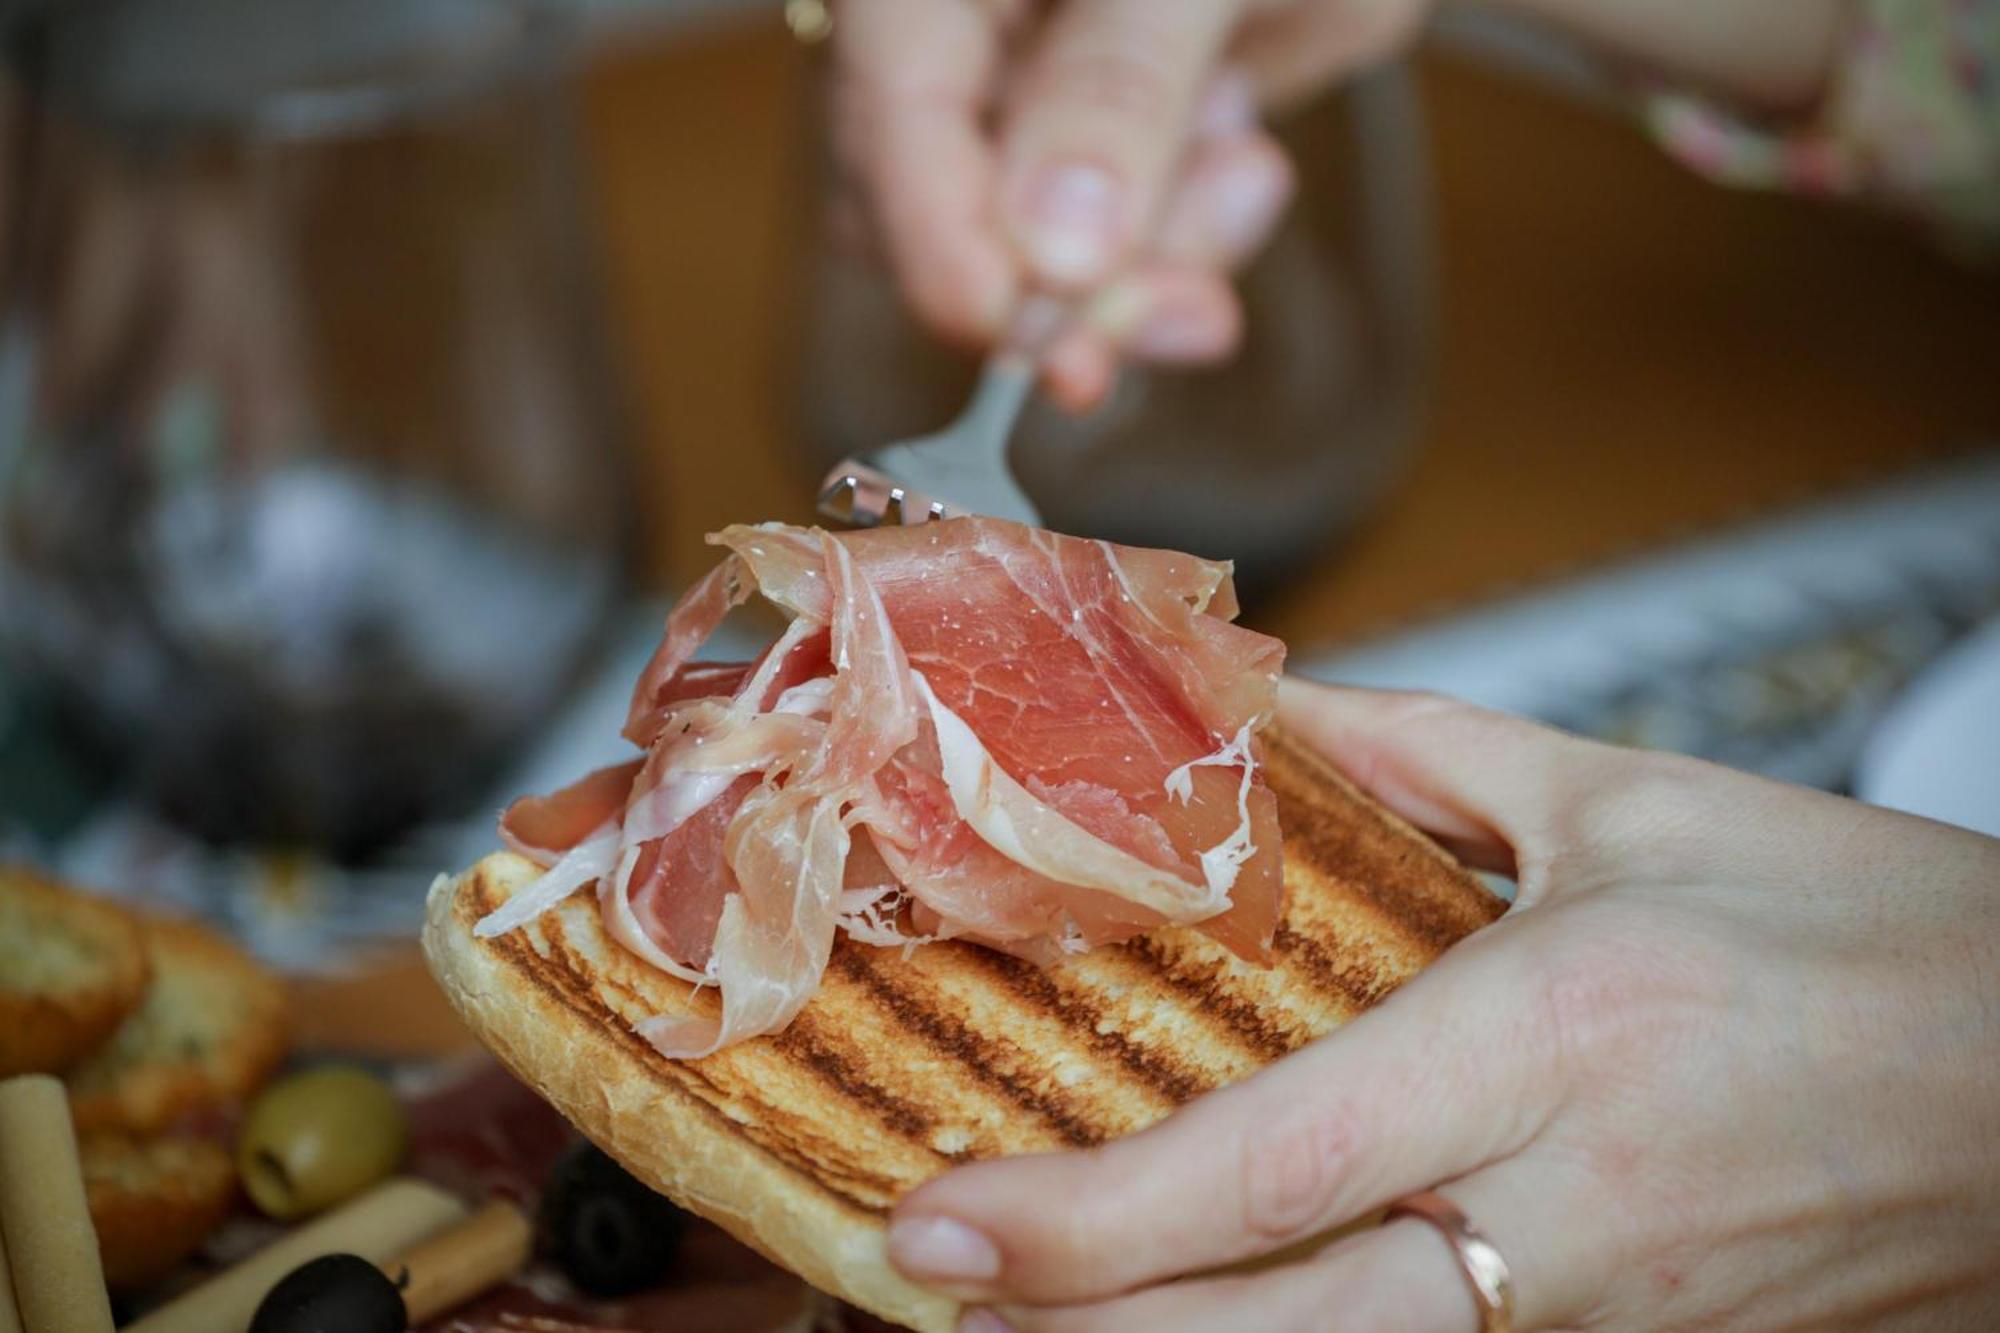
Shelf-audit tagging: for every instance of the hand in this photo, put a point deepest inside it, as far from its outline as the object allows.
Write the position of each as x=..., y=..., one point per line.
x=1106, y=149
x=1729, y=1062
x=1110, y=149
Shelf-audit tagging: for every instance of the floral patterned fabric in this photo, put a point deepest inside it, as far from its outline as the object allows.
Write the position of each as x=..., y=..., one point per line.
x=1911, y=121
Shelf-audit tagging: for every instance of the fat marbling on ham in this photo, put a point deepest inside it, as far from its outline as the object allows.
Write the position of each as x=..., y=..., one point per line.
x=969, y=729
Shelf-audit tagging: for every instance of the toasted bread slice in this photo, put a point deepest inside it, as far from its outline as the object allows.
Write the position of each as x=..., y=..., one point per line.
x=71, y=968
x=211, y=1028
x=153, y=1201
x=906, y=1063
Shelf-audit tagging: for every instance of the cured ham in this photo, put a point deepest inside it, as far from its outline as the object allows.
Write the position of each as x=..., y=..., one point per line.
x=969, y=729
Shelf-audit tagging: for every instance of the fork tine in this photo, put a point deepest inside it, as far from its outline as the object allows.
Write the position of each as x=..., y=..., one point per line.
x=862, y=497
x=910, y=507
x=857, y=495
x=840, y=498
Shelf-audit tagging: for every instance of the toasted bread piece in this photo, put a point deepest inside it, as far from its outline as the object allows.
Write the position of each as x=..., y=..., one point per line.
x=907, y=1063
x=210, y=1030
x=153, y=1201
x=71, y=968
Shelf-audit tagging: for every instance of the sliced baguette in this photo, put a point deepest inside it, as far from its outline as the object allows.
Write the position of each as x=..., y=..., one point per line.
x=153, y=1201
x=905, y=1064
x=212, y=1027
x=72, y=967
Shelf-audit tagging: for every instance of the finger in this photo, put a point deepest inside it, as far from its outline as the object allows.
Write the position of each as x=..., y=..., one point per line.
x=1175, y=308
x=1306, y=1295
x=912, y=79
x=1170, y=314
x=1232, y=186
x=1436, y=1082
x=1568, y=813
x=1192, y=318
x=1402, y=1276
x=1406, y=1274
x=1079, y=370
x=1161, y=314
x=1097, y=126
x=1294, y=50
x=1497, y=787
x=1226, y=203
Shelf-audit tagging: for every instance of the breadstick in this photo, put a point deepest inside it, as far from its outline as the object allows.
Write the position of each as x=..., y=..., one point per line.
x=454, y=1266
x=10, y=1313
x=387, y=1220
x=51, y=1247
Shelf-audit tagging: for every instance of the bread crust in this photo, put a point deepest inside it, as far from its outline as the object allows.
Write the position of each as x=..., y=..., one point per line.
x=600, y=1077
x=153, y=1201
x=49, y=1026
x=905, y=1064
x=211, y=1028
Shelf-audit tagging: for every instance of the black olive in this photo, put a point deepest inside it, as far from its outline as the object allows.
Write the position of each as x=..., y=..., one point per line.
x=607, y=1232
x=335, y=1293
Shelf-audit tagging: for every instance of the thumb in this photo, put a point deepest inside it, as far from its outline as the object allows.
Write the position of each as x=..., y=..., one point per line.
x=1097, y=126
x=1452, y=1072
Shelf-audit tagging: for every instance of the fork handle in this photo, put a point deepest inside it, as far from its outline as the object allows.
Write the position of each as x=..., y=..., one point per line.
x=1004, y=385
x=1009, y=375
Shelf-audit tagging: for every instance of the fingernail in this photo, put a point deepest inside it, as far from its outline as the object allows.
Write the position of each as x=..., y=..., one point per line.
x=1167, y=334
x=942, y=1249
x=1071, y=223
x=1245, y=204
x=983, y=1321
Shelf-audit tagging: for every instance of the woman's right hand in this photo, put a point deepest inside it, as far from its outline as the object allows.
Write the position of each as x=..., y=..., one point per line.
x=1104, y=150
x=1110, y=150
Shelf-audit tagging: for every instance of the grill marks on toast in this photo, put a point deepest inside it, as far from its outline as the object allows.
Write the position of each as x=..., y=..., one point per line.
x=1369, y=855
x=1360, y=984
x=837, y=1070
x=907, y=1062
x=945, y=1027
x=1200, y=973
x=565, y=955
x=1174, y=1078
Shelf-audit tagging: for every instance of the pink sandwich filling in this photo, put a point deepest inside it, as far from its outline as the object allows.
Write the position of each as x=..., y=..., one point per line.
x=969, y=729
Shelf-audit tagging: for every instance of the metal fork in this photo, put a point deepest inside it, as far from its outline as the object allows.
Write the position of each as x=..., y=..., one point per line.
x=963, y=468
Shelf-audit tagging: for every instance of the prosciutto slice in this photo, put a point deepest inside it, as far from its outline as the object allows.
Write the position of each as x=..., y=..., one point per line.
x=968, y=729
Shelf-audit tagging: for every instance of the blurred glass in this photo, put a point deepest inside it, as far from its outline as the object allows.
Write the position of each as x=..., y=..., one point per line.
x=1265, y=460
x=311, y=501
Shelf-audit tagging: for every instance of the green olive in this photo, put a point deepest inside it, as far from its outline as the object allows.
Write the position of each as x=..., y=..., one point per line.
x=317, y=1138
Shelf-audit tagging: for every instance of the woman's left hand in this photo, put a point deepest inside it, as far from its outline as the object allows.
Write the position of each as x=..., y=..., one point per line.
x=1733, y=1060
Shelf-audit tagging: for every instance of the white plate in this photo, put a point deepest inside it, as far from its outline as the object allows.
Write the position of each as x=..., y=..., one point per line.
x=1937, y=751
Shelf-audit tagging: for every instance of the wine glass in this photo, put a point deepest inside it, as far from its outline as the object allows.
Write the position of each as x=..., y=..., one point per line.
x=312, y=497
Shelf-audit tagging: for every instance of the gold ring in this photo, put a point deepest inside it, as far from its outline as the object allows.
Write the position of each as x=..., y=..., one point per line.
x=811, y=21
x=1486, y=1272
